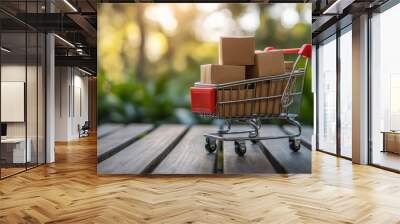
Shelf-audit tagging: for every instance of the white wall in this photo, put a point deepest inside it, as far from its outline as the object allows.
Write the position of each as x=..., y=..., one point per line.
x=33, y=126
x=71, y=87
x=16, y=73
x=62, y=80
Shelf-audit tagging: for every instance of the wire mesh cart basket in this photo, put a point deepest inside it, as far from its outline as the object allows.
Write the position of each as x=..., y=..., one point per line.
x=251, y=101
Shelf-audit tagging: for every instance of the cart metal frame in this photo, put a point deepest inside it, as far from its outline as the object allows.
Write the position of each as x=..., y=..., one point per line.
x=290, y=103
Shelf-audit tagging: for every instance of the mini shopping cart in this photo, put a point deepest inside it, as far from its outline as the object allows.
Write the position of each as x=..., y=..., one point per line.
x=251, y=101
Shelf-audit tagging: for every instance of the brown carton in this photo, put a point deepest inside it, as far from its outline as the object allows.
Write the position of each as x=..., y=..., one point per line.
x=269, y=63
x=274, y=90
x=236, y=50
x=217, y=74
x=236, y=109
x=289, y=66
x=392, y=142
x=250, y=71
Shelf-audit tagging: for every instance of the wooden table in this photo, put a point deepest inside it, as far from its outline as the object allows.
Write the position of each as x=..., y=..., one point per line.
x=391, y=141
x=179, y=149
x=14, y=151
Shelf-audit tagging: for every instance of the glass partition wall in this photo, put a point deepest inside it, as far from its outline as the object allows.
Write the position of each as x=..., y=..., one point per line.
x=22, y=98
x=334, y=104
x=346, y=95
x=327, y=95
x=385, y=89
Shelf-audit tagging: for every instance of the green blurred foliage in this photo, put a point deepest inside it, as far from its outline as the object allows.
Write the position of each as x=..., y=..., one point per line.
x=150, y=56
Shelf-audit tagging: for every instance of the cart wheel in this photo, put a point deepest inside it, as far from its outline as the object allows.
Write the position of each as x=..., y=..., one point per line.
x=294, y=144
x=211, y=145
x=240, y=148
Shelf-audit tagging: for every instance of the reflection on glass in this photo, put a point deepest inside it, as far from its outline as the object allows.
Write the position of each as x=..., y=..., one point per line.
x=345, y=94
x=41, y=99
x=22, y=92
x=15, y=151
x=385, y=84
x=327, y=96
x=31, y=97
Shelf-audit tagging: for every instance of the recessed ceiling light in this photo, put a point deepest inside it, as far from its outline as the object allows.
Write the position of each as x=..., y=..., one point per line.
x=5, y=50
x=84, y=71
x=338, y=6
x=64, y=40
x=70, y=5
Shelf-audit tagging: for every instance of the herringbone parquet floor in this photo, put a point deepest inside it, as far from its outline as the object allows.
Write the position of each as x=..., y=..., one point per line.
x=70, y=191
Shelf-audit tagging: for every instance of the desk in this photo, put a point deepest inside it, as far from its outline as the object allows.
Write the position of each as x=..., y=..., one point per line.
x=391, y=141
x=13, y=150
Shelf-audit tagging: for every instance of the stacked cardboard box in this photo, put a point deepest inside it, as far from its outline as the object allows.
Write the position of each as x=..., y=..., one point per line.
x=238, y=60
x=289, y=66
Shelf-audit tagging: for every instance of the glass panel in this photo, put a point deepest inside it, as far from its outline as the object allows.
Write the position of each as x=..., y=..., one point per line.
x=13, y=86
x=346, y=94
x=327, y=96
x=385, y=84
x=23, y=90
x=31, y=97
x=41, y=99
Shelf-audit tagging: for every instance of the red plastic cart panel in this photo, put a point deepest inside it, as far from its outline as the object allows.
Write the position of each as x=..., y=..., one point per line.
x=203, y=99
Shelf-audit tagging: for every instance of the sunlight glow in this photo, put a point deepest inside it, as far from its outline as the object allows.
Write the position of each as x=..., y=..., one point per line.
x=208, y=7
x=164, y=15
x=219, y=23
x=250, y=19
x=156, y=46
x=289, y=18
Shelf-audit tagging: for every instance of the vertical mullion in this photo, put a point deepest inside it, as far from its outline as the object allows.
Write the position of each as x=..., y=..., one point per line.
x=73, y=93
x=45, y=87
x=69, y=92
x=369, y=97
x=26, y=85
x=317, y=98
x=338, y=94
x=37, y=90
x=0, y=91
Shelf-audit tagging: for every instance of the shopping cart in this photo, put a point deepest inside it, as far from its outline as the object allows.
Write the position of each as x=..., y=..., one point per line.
x=251, y=101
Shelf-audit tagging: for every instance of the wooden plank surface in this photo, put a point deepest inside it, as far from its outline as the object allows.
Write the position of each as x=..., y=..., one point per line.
x=120, y=138
x=106, y=129
x=292, y=162
x=254, y=161
x=189, y=156
x=143, y=155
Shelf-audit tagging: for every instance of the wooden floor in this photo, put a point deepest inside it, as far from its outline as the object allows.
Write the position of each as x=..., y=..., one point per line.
x=70, y=191
x=179, y=149
x=387, y=159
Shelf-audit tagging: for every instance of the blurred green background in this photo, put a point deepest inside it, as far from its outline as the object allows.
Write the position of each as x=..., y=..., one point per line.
x=149, y=55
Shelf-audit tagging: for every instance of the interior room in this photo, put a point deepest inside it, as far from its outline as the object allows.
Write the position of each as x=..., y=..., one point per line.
x=337, y=44
x=385, y=87
x=42, y=77
x=48, y=156
x=22, y=99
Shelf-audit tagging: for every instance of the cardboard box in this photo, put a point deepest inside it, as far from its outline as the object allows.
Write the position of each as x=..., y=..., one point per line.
x=217, y=74
x=269, y=63
x=289, y=66
x=273, y=89
x=392, y=142
x=237, y=109
x=250, y=71
x=236, y=50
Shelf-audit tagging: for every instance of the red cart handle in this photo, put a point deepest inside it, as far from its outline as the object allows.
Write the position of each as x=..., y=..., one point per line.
x=304, y=51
